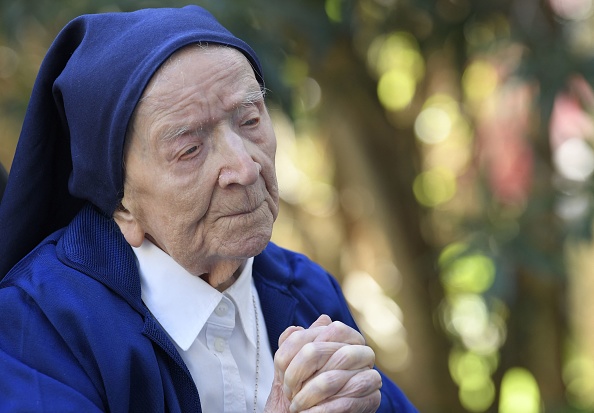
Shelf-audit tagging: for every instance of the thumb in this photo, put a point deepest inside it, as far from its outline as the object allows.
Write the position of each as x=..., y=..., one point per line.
x=277, y=401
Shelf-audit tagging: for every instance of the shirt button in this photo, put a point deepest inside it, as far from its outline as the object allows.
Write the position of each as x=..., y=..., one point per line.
x=219, y=345
x=221, y=309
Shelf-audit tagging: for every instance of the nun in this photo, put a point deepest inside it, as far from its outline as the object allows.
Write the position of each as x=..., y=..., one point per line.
x=137, y=269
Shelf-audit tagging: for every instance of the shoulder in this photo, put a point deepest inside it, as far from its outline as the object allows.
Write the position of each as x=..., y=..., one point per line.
x=66, y=333
x=303, y=282
x=41, y=341
x=49, y=297
x=294, y=271
x=42, y=289
x=45, y=278
x=37, y=271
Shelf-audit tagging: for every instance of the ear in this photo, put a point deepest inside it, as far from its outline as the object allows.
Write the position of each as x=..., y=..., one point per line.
x=129, y=225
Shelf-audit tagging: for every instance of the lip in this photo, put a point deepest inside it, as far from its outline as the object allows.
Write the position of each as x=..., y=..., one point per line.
x=244, y=212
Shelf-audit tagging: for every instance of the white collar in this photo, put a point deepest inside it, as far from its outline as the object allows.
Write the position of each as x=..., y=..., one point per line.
x=182, y=302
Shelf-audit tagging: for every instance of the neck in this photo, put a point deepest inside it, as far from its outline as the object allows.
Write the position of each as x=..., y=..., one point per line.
x=224, y=276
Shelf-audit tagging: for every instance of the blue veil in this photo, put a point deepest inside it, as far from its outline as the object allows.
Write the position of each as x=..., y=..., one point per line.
x=70, y=151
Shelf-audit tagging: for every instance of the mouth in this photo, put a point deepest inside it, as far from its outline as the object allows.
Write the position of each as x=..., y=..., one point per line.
x=245, y=211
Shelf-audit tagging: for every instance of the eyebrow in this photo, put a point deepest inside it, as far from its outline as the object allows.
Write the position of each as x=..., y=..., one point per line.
x=173, y=133
x=251, y=97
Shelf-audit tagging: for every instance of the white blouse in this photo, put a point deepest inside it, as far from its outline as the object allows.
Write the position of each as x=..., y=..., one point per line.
x=214, y=332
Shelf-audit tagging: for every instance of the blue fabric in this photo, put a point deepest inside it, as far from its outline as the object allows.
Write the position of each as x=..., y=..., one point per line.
x=71, y=145
x=75, y=335
x=3, y=179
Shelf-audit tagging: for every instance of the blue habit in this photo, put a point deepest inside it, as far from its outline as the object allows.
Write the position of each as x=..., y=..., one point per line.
x=76, y=337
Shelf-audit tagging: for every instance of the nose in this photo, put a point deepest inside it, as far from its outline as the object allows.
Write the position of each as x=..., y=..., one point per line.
x=238, y=166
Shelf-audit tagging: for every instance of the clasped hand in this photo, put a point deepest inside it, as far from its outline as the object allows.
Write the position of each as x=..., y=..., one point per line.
x=324, y=368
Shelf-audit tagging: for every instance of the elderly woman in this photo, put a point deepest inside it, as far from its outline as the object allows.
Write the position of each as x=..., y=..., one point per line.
x=136, y=255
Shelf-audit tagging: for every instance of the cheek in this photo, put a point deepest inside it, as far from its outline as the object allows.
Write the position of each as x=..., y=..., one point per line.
x=189, y=196
x=268, y=150
x=152, y=199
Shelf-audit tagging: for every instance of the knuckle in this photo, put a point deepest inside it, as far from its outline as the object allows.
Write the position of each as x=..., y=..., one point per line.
x=328, y=383
x=354, y=357
x=371, y=379
x=342, y=355
x=369, y=355
x=340, y=328
x=376, y=378
x=281, y=360
x=363, y=384
x=367, y=404
x=295, y=337
x=331, y=381
x=309, y=351
x=374, y=401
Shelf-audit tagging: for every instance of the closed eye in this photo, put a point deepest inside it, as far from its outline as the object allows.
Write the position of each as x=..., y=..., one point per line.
x=251, y=122
x=192, y=149
x=189, y=152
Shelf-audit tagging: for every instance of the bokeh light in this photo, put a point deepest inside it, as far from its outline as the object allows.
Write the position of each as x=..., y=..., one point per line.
x=479, y=80
x=334, y=10
x=519, y=392
x=380, y=316
x=472, y=372
x=574, y=159
x=578, y=375
x=465, y=272
x=433, y=125
x=396, y=51
x=396, y=62
x=572, y=9
x=435, y=186
x=396, y=89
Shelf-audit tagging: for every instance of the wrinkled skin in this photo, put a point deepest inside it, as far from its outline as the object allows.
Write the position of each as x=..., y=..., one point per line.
x=325, y=368
x=200, y=179
x=200, y=184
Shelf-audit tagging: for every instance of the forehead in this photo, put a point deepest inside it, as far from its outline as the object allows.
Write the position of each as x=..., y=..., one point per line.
x=192, y=83
x=202, y=65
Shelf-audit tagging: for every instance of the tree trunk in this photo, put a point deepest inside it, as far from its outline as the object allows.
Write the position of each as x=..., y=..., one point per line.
x=371, y=153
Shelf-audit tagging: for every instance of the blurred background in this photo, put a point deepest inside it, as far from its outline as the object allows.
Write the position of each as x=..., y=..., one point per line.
x=436, y=157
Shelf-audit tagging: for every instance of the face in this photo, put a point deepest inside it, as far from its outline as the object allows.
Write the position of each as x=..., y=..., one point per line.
x=200, y=181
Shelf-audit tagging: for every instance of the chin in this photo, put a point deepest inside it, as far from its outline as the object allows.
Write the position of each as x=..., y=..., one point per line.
x=254, y=246
x=247, y=247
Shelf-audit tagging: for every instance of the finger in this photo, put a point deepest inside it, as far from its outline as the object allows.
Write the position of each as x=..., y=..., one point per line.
x=350, y=357
x=288, y=331
x=323, y=329
x=323, y=386
x=322, y=320
x=293, y=343
x=367, y=404
x=278, y=371
x=306, y=362
x=341, y=333
x=318, y=357
x=362, y=384
x=358, y=389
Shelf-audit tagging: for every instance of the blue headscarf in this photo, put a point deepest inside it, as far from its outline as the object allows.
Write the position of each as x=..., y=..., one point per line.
x=70, y=150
